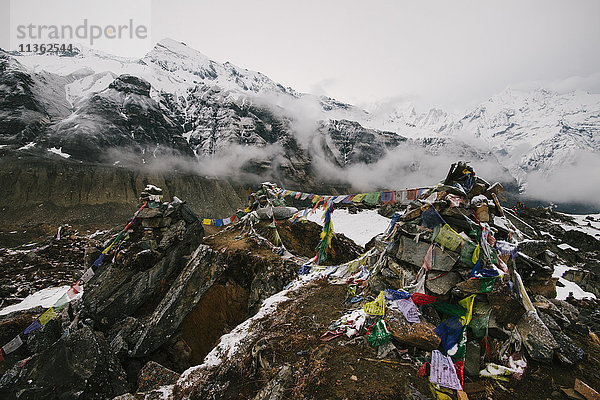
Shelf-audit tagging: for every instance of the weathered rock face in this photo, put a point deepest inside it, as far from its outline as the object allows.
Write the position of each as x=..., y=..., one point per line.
x=34, y=192
x=420, y=335
x=78, y=366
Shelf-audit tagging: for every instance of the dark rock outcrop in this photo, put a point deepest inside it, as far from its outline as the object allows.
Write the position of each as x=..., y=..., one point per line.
x=78, y=366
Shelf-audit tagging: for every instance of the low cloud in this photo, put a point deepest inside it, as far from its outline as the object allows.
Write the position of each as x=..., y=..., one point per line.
x=576, y=183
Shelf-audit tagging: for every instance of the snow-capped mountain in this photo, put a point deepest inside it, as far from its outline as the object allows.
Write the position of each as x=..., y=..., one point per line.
x=178, y=104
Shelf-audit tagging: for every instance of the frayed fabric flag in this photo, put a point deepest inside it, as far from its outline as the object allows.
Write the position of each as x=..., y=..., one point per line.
x=387, y=197
x=421, y=299
x=377, y=306
x=359, y=198
x=391, y=294
x=379, y=334
x=47, y=316
x=227, y=221
x=12, y=345
x=487, y=283
x=448, y=238
x=99, y=260
x=409, y=310
x=428, y=261
x=35, y=325
x=371, y=199
x=431, y=218
x=63, y=301
x=85, y=278
x=218, y=222
x=207, y=221
x=467, y=304
x=449, y=332
x=466, y=253
x=443, y=372
x=73, y=291
x=402, y=197
x=411, y=194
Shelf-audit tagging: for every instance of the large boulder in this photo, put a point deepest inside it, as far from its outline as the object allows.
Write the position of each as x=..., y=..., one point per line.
x=79, y=366
x=420, y=335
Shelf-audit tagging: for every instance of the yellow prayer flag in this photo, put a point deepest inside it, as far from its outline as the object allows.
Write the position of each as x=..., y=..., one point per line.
x=467, y=303
x=376, y=307
x=206, y=221
x=448, y=238
x=359, y=198
x=47, y=316
x=475, y=257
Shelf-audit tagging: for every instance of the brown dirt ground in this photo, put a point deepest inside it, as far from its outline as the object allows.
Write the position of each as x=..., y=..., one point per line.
x=323, y=370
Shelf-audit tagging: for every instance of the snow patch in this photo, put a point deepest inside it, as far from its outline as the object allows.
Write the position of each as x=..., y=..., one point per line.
x=563, y=292
x=565, y=246
x=360, y=227
x=45, y=298
x=59, y=152
x=27, y=146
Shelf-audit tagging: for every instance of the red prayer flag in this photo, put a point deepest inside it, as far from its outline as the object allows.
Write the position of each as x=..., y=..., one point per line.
x=422, y=299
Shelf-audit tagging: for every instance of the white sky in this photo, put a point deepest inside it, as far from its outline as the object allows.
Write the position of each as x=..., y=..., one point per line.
x=449, y=54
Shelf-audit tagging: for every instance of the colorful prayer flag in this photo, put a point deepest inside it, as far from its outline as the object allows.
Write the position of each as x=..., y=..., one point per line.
x=63, y=301
x=73, y=290
x=443, y=372
x=85, y=278
x=448, y=238
x=467, y=303
x=377, y=306
x=12, y=345
x=47, y=316
x=35, y=325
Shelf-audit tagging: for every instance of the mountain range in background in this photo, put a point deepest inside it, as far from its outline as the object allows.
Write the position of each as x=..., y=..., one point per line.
x=176, y=109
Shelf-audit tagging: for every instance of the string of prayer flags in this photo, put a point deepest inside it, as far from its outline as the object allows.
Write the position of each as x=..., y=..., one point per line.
x=377, y=306
x=448, y=238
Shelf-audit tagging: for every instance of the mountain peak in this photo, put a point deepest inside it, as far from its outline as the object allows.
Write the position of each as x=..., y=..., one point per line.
x=174, y=46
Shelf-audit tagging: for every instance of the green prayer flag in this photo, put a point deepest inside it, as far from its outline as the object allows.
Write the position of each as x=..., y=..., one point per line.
x=487, y=284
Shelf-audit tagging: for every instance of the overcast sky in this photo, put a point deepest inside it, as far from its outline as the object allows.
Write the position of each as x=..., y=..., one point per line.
x=449, y=54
